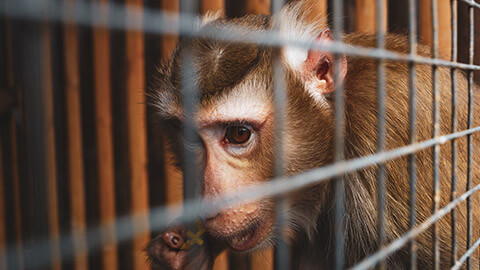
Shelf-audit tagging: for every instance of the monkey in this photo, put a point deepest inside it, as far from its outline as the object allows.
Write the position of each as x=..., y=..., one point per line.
x=234, y=117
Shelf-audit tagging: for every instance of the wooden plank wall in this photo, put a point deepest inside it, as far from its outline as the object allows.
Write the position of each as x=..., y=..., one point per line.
x=367, y=14
x=104, y=142
x=137, y=136
x=75, y=158
x=12, y=220
x=444, y=26
x=3, y=236
x=103, y=159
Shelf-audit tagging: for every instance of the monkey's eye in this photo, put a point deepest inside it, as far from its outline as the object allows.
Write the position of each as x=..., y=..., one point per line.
x=237, y=134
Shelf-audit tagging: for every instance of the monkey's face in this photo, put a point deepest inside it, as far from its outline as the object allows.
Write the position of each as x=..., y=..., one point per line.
x=234, y=118
x=237, y=133
x=236, y=130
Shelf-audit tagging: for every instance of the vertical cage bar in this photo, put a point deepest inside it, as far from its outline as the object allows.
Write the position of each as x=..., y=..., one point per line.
x=426, y=26
x=469, y=137
x=381, y=130
x=173, y=177
x=282, y=250
x=104, y=140
x=280, y=96
x=191, y=140
x=454, y=129
x=436, y=128
x=267, y=259
x=221, y=262
x=412, y=116
x=338, y=22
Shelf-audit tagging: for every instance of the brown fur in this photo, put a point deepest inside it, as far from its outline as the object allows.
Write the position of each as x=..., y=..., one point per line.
x=309, y=144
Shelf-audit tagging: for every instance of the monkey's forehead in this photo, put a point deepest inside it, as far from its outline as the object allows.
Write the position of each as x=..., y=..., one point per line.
x=219, y=65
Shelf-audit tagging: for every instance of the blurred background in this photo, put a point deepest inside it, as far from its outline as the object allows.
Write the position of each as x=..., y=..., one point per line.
x=78, y=146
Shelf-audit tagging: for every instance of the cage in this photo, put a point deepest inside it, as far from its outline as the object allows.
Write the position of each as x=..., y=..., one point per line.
x=86, y=179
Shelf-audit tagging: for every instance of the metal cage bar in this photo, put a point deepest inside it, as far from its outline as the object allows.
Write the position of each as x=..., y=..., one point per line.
x=454, y=129
x=339, y=114
x=469, y=125
x=158, y=22
x=282, y=253
x=411, y=157
x=436, y=130
x=162, y=22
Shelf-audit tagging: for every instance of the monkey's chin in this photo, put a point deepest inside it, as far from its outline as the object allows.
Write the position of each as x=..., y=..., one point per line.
x=250, y=238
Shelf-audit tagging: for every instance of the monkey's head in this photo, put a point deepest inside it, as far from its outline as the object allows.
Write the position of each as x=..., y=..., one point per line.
x=234, y=117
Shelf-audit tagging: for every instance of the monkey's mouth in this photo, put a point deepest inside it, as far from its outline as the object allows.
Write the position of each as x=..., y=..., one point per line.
x=248, y=238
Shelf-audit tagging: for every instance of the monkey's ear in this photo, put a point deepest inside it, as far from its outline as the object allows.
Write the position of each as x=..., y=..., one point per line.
x=317, y=67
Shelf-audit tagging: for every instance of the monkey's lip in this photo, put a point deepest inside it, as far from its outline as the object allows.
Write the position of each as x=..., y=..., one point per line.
x=248, y=239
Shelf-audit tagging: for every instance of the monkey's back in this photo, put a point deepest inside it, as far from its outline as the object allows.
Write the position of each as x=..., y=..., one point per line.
x=361, y=129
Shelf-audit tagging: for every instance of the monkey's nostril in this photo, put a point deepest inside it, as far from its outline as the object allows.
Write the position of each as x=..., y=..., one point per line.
x=173, y=240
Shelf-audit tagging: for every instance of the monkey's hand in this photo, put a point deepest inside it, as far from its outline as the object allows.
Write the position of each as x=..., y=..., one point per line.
x=182, y=248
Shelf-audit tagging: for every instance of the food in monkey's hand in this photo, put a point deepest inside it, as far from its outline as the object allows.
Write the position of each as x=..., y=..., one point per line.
x=181, y=247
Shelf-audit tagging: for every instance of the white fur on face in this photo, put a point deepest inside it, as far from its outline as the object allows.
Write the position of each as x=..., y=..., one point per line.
x=246, y=102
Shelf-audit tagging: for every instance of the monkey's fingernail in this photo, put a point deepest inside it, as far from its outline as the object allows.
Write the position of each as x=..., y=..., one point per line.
x=173, y=240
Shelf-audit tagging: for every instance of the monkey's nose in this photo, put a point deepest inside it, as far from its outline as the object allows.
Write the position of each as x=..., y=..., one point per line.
x=233, y=220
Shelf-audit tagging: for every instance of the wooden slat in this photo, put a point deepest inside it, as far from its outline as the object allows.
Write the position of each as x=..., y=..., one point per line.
x=212, y=5
x=51, y=174
x=16, y=192
x=169, y=41
x=444, y=26
x=3, y=238
x=75, y=148
x=366, y=15
x=137, y=131
x=260, y=260
x=263, y=259
x=15, y=186
x=103, y=108
x=258, y=6
x=221, y=262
